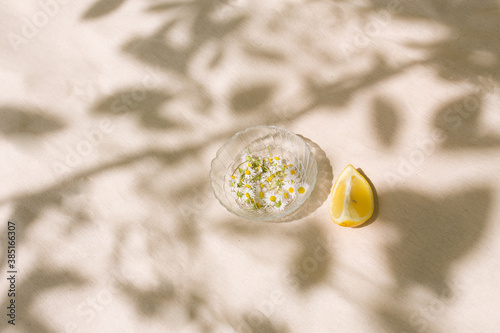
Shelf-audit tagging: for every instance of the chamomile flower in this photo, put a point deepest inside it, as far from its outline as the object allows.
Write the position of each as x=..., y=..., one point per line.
x=293, y=176
x=258, y=204
x=249, y=173
x=249, y=193
x=246, y=185
x=266, y=184
x=303, y=188
x=270, y=198
x=290, y=188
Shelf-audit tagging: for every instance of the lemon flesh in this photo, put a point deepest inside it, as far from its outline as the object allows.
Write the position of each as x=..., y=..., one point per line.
x=352, y=199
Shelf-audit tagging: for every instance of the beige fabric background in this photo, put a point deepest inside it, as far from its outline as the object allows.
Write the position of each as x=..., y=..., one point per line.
x=111, y=112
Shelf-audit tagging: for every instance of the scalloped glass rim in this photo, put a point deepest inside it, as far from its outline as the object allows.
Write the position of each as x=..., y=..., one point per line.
x=236, y=147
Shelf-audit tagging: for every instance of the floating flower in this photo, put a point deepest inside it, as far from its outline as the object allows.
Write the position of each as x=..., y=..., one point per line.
x=270, y=198
x=290, y=187
x=303, y=188
x=279, y=207
x=266, y=184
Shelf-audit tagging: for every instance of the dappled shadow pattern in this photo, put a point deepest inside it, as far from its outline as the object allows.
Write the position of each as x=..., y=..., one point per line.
x=341, y=92
x=156, y=50
x=42, y=279
x=471, y=48
x=400, y=319
x=149, y=302
x=19, y=122
x=435, y=232
x=27, y=209
x=313, y=261
x=102, y=8
x=386, y=120
x=252, y=97
x=144, y=105
x=459, y=121
x=255, y=322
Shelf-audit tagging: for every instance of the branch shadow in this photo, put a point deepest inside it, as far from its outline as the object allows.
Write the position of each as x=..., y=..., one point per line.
x=156, y=50
x=433, y=233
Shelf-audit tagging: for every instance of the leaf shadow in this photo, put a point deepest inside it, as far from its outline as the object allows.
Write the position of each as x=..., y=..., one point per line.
x=386, y=120
x=22, y=122
x=44, y=278
x=252, y=97
x=459, y=120
x=101, y=8
x=149, y=302
x=158, y=51
x=341, y=92
x=470, y=49
x=143, y=104
x=401, y=320
x=312, y=263
x=256, y=322
x=434, y=233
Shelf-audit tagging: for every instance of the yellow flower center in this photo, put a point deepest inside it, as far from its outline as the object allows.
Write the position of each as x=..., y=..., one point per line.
x=301, y=190
x=272, y=198
x=247, y=172
x=290, y=189
x=248, y=186
x=261, y=194
x=233, y=177
x=258, y=205
x=261, y=185
x=292, y=172
x=286, y=195
x=277, y=158
x=247, y=195
x=249, y=165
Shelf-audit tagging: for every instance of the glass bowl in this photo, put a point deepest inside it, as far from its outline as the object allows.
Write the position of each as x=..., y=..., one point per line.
x=262, y=141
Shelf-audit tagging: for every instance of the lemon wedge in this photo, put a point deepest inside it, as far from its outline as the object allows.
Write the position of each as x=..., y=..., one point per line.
x=352, y=199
